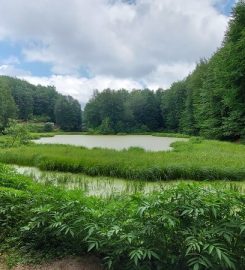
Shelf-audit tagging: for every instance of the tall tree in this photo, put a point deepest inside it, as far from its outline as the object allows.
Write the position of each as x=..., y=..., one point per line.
x=68, y=113
x=7, y=105
x=172, y=105
x=44, y=99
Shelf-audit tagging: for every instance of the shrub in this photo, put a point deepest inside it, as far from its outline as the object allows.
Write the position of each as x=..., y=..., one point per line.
x=186, y=227
x=18, y=134
x=48, y=127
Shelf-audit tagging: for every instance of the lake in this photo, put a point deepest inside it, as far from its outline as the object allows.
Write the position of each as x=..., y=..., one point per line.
x=117, y=142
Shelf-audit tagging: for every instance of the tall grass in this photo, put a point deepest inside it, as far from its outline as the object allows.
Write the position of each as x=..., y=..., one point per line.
x=195, y=160
x=184, y=227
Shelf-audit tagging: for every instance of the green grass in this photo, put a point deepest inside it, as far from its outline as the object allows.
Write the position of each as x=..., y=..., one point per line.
x=194, y=160
x=59, y=132
x=3, y=140
x=170, y=134
x=184, y=227
x=158, y=134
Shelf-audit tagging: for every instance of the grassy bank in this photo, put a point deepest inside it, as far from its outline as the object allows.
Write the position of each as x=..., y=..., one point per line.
x=194, y=160
x=186, y=227
x=38, y=135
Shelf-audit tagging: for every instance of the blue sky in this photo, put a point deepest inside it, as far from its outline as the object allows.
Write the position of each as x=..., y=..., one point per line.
x=95, y=44
x=226, y=6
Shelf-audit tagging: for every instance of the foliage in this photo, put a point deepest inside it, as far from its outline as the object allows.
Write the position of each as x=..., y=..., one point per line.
x=195, y=159
x=23, y=101
x=120, y=111
x=209, y=102
x=7, y=106
x=18, y=133
x=48, y=127
x=106, y=126
x=186, y=227
x=68, y=114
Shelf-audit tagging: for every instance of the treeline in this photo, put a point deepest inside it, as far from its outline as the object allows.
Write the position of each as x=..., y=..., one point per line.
x=210, y=102
x=23, y=101
x=122, y=111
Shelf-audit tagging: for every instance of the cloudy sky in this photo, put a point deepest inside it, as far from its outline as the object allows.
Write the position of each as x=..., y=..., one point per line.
x=82, y=45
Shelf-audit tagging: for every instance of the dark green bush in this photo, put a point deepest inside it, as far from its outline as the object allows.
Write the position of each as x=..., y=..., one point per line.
x=48, y=127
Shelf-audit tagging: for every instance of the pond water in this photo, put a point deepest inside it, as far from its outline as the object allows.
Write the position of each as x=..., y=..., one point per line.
x=106, y=186
x=98, y=186
x=118, y=142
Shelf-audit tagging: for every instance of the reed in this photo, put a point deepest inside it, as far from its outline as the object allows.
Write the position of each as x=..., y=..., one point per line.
x=194, y=160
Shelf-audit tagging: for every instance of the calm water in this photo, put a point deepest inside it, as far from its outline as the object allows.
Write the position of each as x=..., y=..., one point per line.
x=106, y=186
x=98, y=186
x=147, y=142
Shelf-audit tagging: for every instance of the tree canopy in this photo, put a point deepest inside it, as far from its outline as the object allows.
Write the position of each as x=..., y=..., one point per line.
x=23, y=101
x=210, y=102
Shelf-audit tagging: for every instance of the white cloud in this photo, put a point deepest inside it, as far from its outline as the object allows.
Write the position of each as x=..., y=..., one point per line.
x=153, y=41
x=11, y=70
x=164, y=75
x=82, y=88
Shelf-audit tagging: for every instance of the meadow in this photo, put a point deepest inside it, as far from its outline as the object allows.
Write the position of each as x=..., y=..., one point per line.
x=184, y=227
x=196, y=159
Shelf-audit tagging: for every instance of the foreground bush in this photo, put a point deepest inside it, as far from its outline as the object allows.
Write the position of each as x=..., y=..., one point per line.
x=187, y=227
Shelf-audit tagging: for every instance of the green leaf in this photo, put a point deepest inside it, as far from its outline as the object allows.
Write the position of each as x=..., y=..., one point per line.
x=218, y=251
x=196, y=266
x=210, y=249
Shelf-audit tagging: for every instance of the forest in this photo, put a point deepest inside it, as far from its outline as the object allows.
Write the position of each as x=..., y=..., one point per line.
x=26, y=102
x=210, y=102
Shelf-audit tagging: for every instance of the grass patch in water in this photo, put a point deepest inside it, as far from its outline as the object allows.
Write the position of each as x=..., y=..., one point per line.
x=195, y=160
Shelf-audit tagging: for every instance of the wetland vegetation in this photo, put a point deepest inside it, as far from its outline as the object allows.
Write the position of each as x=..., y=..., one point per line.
x=134, y=206
x=186, y=226
x=195, y=159
x=108, y=186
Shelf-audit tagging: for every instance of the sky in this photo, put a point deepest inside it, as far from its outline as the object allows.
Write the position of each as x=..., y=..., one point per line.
x=82, y=45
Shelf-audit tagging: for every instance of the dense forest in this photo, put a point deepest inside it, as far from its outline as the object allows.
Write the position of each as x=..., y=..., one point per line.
x=210, y=102
x=26, y=102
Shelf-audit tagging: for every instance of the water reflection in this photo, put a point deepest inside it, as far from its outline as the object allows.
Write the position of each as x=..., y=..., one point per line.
x=99, y=186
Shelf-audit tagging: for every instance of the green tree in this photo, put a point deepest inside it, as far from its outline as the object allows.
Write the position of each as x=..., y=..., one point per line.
x=17, y=133
x=68, y=113
x=192, y=114
x=106, y=126
x=22, y=94
x=44, y=99
x=7, y=105
x=145, y=109
x=172, y=105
